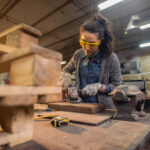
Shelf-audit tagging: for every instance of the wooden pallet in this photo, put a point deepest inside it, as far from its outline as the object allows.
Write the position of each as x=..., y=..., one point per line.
x=33, y=74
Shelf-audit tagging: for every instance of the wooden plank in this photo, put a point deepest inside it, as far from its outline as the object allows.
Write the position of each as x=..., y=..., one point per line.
x=20, y=39
x=80, y=107
x=87, y=119
x=32, y=49
x=36, y=70
x=10, y=90
x=120, y=136
x=6, y=59
x=4, y=49
x=20, y=100
x=23, y=27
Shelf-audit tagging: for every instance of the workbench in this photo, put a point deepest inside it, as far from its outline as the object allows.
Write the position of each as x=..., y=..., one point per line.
x=110, y=135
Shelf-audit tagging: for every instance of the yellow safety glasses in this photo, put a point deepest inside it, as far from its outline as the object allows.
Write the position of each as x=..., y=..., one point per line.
x=89, y=44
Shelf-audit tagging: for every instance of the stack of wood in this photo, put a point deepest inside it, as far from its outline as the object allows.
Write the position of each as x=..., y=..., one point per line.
x=34, y=72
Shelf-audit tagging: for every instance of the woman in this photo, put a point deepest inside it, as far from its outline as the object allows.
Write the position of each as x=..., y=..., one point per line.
x=97, y=67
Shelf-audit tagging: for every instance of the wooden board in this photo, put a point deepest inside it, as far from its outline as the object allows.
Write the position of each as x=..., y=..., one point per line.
x=80, y=107
x=23, y=27
x=120, y=136
x=5, y=60
x=10, y=90
x=19, y=100
x=87, y=119
x=4, y=49
x=36, y=70
x=20, y=39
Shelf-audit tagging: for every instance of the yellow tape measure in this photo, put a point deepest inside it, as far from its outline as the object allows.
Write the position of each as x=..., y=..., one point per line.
x=59, y=122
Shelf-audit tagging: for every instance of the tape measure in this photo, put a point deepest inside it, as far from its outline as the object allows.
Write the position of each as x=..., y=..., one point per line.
x=59, y=122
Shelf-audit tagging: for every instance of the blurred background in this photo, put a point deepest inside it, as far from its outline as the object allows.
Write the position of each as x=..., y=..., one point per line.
x=60, y=20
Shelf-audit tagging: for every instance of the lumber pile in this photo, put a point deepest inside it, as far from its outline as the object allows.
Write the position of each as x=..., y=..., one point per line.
x=33, y=74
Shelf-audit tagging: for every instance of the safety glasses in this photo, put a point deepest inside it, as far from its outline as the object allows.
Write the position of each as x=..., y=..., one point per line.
x=89, y=44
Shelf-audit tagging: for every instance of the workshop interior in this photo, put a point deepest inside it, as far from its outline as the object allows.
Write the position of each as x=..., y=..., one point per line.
x=75, y=74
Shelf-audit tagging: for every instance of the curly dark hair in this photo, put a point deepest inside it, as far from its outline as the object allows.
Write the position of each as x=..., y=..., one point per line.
x=99, y=24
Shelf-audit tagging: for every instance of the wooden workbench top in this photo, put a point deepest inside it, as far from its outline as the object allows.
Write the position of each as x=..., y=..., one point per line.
x=121, y=135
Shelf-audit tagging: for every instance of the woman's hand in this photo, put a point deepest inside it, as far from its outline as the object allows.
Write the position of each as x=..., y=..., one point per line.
x=91, y=89
x=73, y=95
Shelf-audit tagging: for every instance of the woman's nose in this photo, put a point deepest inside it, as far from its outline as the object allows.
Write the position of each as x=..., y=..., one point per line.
x=87, y=47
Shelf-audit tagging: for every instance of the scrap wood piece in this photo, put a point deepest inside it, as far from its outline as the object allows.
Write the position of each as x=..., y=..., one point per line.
x=12, y=90
x=23, y=27
x=80, y=107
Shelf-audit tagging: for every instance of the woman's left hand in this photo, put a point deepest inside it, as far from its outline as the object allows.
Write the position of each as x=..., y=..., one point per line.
x=91, y=89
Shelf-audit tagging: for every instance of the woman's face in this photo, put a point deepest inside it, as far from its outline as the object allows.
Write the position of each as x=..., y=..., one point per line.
x=91, y=38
